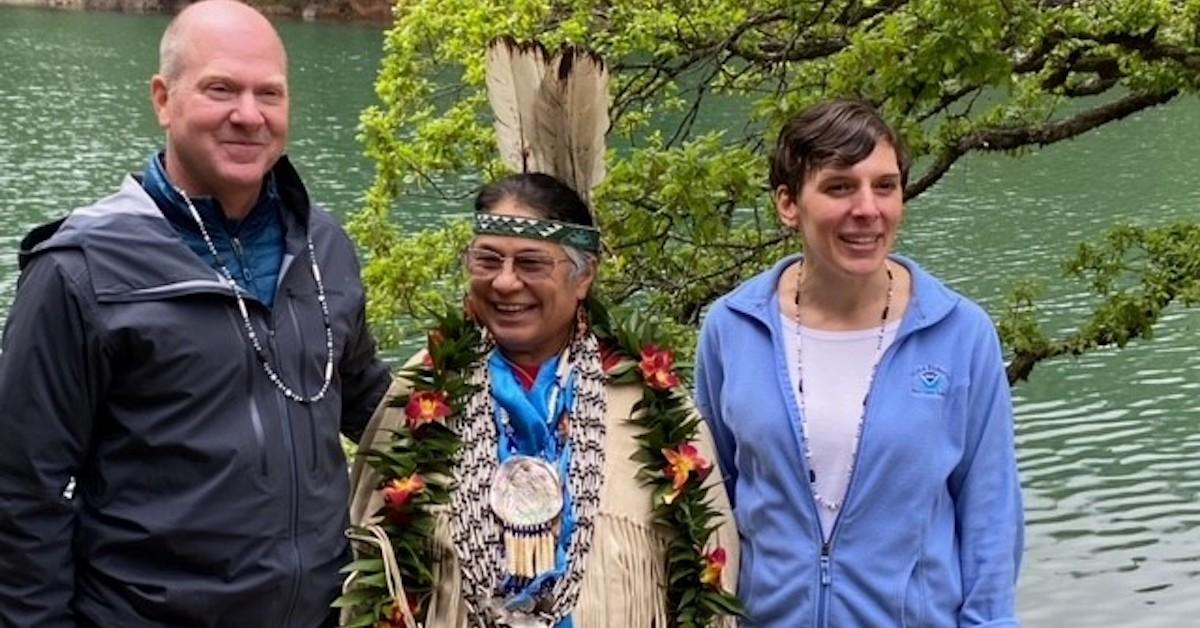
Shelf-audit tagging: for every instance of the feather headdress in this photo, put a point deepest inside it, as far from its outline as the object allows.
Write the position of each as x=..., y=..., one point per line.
x=551, y=111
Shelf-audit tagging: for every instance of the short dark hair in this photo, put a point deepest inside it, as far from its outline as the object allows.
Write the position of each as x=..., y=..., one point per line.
x=837, y=133
x=549, y=197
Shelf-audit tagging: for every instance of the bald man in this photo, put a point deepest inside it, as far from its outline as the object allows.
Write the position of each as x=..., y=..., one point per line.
x=177, y=366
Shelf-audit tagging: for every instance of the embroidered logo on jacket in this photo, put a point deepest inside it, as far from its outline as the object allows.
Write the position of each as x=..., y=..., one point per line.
x=930, y=379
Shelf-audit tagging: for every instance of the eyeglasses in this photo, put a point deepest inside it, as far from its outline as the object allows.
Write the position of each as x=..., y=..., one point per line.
x=485, y=264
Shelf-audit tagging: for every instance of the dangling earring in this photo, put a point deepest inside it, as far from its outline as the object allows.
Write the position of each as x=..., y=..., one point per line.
x=582, y=322
x=485, y=334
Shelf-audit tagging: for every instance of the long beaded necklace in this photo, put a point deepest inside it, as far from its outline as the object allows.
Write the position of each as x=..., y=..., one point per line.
x=858, y=430
x=258, y=349
x=476, y=530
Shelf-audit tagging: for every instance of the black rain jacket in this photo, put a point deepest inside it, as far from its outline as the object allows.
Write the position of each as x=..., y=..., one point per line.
x=204, y=497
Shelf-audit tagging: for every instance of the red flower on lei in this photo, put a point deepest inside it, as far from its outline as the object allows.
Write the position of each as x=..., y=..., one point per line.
x=426, y=406
x=394, y=614
x=682, y=463
x=714, y=563
x=658, y=368
x=399, y=492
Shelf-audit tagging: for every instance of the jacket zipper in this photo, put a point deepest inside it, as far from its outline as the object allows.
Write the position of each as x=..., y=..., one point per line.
x=285, y=416
x=826, y=580
x=826, y=556
x=825, y=559
x=301, y=388
x=293, y=489
x=285, y=407
x=240, y=253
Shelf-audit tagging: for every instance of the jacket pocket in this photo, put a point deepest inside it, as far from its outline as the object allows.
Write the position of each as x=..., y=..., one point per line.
x=745, y=584
x=303, y=363
x=915, y=599
x=253, y=412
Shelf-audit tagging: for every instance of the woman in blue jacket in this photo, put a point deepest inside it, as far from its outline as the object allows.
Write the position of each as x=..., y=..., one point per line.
x=870, y=461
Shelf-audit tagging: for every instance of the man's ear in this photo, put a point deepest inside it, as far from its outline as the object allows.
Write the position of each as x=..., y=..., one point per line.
x=787, y=207
x=585, y=283
x=160, y=94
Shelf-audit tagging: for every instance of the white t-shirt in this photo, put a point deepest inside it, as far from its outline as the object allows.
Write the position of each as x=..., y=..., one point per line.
x=837, y=367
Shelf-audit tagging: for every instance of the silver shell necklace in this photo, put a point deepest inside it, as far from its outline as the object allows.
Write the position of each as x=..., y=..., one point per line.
x=258, y=348
x=824, y=501
x=478, y=531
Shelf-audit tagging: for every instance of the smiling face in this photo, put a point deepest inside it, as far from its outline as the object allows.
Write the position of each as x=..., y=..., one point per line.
x=530, y=319
x=225, y=113
x=848, y=215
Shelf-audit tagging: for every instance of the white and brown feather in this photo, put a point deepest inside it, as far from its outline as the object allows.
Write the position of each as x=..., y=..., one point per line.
x=514, y=76
x=551, y=112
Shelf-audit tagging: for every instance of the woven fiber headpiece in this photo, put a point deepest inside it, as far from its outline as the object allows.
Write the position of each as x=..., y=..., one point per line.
x=581, y=237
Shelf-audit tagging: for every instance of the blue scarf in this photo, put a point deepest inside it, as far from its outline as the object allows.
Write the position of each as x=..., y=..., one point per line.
x=533, y=430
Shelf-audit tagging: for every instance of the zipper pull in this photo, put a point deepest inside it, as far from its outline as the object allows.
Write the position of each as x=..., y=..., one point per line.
x=825, y=576
x=240, y=253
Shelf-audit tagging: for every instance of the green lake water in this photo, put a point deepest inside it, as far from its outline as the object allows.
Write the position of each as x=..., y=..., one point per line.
x=1109, y=443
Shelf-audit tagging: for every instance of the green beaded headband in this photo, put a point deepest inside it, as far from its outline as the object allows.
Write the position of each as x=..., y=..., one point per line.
x=565, y=233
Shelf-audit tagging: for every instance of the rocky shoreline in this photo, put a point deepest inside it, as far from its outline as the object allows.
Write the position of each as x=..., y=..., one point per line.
x=333, y=10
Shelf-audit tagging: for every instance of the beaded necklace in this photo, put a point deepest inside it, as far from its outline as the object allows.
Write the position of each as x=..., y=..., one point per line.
x=258, y=349
x=820, y=499
x=478, y=534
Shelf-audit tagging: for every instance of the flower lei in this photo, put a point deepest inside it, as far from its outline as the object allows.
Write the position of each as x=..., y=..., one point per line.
x=417, y=472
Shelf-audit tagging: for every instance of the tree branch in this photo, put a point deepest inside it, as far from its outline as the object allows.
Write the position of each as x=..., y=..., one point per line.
x=1162, y=262
x=1001, y=139
x=948, y=99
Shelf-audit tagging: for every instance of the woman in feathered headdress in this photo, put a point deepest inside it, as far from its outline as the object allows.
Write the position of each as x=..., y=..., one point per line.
x=542, y=467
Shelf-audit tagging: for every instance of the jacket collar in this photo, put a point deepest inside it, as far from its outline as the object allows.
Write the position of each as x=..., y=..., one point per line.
x=131, y=200
x=160, y=188
x=133, y=252
x=930, y=302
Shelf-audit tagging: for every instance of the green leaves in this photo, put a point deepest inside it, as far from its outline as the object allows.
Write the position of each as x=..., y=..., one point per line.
x=699, y=90
x=1135, y=272
x=673, y=468
x=416, y=468
x=410, y=277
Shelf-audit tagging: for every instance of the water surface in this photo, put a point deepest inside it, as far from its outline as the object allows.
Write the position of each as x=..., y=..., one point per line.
x=1109, y=443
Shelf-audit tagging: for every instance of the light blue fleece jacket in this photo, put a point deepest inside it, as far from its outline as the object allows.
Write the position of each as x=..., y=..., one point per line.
x=931, y=531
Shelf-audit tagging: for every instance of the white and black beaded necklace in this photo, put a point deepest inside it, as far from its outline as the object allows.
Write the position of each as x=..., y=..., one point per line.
x=858, y=430
x=261, y=354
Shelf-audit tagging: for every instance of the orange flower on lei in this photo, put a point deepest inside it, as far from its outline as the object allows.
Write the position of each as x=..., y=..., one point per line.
x=394, y=614
x=393, y=619
x=658, y=368
x=682, y=463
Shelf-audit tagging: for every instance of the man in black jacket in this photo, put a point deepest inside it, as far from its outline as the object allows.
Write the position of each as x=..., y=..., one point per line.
x=177, y=366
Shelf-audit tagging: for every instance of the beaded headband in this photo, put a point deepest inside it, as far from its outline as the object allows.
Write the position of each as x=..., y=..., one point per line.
x=565, y=233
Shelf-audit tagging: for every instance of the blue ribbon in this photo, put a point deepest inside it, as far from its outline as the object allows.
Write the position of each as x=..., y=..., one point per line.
x=533, y=430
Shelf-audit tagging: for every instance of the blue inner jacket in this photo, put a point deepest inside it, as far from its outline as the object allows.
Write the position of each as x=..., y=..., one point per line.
x=252, y=248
